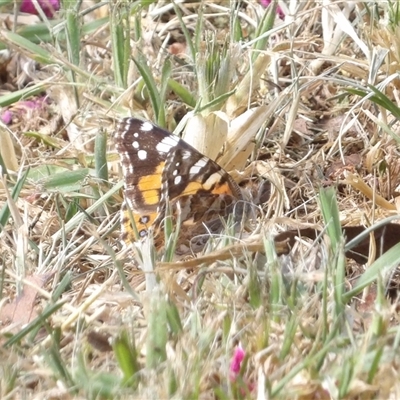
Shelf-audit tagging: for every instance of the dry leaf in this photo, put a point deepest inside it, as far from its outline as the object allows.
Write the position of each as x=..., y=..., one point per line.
x=21, y=310
x=207, y=134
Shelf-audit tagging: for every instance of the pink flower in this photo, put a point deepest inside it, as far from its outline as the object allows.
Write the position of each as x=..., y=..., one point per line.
x=24, y=107
x=6, y=117
x=279, y=11
x=49, y=7
x=234, y=368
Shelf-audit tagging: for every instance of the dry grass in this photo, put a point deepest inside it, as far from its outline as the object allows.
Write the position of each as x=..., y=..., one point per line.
x=83, y=318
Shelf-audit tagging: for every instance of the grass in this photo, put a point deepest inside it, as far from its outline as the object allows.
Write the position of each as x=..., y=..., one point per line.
x=308, y=103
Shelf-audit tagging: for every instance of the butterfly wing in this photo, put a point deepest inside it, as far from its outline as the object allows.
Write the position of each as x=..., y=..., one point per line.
x=188, y=172
x=200, y=191
x=159, y=168
x=143, y=149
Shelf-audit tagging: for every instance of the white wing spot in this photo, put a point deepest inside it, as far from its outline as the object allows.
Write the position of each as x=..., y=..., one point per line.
x=142, y=154
x=147, y=126
x=202, y=162
x=175, y=172
x=178, y=180
x=136, y=135
x=143, y=233
x=196, y=168
x=135, y=145
x=186, y=155
x=144, y=219
x=166, y=144
x=212, y=180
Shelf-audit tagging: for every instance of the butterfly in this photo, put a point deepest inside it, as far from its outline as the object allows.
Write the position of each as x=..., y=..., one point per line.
x=164, y=175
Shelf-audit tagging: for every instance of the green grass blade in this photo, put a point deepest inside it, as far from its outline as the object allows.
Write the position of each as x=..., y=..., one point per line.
x=120, y=41
x=157, y=332
x=148, y=79
x=37, y=53
x=382, y=266
x=182, y=93
x=165, y=74
x=330, y=213
x=127, y=358
x=188, y=37
x=73, y=36
x=5, y=211
x=265, y=25
x=67, y=181
x=378, y=98
x=23, y=94
x=100, y=155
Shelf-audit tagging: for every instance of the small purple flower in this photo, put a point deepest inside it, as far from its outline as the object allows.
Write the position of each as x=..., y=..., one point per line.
x=36, y=103
x=279, y=11
x=6, y=117
x=24, y=107
x=49, y=7
x=234, y=368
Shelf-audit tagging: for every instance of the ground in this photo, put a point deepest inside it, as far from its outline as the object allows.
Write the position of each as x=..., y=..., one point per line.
x=298, y=104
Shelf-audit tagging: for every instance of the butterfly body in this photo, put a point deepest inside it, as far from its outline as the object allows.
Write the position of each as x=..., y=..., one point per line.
x=165, y=174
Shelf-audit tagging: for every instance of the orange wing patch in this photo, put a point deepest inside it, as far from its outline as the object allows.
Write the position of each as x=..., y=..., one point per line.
x=150, y=186
x=135, y=226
